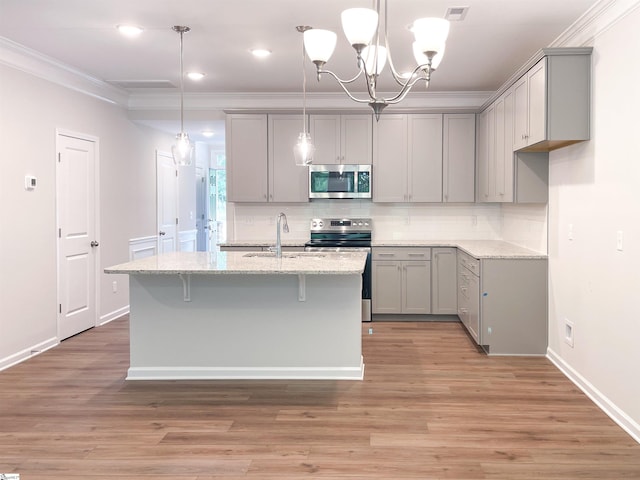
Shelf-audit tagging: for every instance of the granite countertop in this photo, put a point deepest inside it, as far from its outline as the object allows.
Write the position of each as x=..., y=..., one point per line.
x=263, y=243
x=246, y=263
x=476, y=248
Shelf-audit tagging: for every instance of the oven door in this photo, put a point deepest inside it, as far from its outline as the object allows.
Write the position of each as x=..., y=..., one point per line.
x=366, y=275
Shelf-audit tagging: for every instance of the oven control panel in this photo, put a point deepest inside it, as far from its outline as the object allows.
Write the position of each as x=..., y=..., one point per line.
x=341, y=224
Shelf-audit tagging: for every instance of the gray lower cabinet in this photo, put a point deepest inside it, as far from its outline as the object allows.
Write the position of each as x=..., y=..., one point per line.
x=401, y=280
x=443, y=281
x=503, y=303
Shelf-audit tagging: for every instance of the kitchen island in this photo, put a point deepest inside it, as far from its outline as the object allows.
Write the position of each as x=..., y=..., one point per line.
x=245, y=315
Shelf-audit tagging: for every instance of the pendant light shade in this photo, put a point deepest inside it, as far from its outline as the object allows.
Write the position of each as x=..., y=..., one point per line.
x=182, y=150
x=374, y=63
x=304, y=150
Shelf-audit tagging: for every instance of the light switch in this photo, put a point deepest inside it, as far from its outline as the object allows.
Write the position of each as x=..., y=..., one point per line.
x=570, y=231
x=30, y=182
x=619, y=240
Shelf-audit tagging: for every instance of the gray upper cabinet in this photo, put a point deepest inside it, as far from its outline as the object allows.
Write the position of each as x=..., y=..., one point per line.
x=552, y=101
x=246, y=145
x=288, y=182
x=342, y=139
x=407, y=158
x=260, y=162
x=458, y=157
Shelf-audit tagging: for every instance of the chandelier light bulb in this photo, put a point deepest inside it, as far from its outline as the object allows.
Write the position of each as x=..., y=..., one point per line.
x=359, y=25
x=319, y=44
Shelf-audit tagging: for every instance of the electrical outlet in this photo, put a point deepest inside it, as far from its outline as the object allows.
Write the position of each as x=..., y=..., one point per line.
x=569, y=330
x=570, y=232
x=619, y=236
x=114, y=287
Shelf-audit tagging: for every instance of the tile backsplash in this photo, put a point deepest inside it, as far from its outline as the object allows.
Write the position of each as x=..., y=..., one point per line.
x=525, y=225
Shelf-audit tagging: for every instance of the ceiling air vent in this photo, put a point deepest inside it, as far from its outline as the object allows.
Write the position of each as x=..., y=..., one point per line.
x=127, y=84
x=456, y=14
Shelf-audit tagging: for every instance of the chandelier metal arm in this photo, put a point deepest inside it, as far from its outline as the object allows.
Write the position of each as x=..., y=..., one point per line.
x=343, y=84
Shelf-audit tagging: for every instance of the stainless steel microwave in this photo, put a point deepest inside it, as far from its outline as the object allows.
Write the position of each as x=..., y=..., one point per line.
x=339, y=181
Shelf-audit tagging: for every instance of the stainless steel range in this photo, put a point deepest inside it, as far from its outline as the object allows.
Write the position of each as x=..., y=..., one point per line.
x=344, y=235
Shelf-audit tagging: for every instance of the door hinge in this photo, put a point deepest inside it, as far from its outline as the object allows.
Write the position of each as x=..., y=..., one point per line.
x=176, y=220
x=59, y=157
x=60, y=308
x=176, y=173
x=59, y=233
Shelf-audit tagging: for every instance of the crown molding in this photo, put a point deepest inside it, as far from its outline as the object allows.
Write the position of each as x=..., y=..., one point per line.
x=35, y=63
x=441, y=101
x=598, y=19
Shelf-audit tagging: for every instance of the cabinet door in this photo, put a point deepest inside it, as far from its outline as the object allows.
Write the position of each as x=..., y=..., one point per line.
x=473, y=315
x=246, y=144
x=356, y=139
x=386, y=294
x=416, y=287
x=444, y=300
x=521, y=113
x=390, y=159
x=288, y=182
x=537, y=103
x=486, y=155
x=425, y=158
x=458, y=157
x=325, y=135
x=504, y=174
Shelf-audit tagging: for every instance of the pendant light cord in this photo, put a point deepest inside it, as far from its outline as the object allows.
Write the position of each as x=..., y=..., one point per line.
x=181, y=87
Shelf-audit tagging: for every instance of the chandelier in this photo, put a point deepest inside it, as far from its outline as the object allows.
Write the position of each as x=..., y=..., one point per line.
x=183, y=148
x=367, y=32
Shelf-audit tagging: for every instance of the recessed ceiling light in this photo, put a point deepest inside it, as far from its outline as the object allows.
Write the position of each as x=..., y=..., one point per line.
x=260, y=52
x=130, y=30
x=208, y=133
x=195, y=75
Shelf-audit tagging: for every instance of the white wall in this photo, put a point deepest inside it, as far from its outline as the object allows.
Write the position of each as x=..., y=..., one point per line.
x=595, y=187
x=30, y=111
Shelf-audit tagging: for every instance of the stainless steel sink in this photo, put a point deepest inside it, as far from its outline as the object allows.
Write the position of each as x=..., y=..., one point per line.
x=308, y=255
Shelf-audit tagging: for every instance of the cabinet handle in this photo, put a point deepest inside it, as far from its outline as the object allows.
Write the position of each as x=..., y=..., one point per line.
x=416, y=254
x=386, y=254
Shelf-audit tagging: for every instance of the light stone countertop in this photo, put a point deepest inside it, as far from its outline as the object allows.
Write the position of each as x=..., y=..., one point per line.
x=496, y=249
x=264, y=243
x=217, y=263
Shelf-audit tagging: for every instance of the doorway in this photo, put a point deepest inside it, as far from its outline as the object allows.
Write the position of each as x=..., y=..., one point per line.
x=167, y=202
x=77, y=218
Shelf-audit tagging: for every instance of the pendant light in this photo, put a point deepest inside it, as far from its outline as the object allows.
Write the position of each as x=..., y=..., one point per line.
x=182, y=150
x=303, y=150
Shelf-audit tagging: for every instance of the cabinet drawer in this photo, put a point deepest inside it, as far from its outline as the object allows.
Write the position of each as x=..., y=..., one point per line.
x=401, y=253
x=469, y=262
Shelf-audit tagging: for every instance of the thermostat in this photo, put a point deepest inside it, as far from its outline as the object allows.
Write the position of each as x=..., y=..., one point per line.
x=30, y=182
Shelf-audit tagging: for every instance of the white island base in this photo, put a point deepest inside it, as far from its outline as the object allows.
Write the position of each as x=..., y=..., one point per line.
x=245, y=327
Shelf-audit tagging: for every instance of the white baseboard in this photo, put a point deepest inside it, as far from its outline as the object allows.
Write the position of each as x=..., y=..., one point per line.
x=607, y=406
x=104, y=319
x=27, y=353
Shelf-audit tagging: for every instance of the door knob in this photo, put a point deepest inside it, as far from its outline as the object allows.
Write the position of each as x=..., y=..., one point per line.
x=94, y=243
x=162, y=233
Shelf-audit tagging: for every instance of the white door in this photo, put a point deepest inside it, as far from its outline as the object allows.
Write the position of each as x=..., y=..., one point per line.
x=202, y=216
x=167, y=205
x=77, y=236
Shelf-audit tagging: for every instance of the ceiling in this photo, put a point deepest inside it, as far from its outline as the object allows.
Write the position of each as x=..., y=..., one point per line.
x=493, y=41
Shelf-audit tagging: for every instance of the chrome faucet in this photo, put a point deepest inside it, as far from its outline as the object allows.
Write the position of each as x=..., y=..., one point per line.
x=285, y=228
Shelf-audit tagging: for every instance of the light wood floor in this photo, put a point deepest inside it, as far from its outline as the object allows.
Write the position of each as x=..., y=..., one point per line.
x=431, y=407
